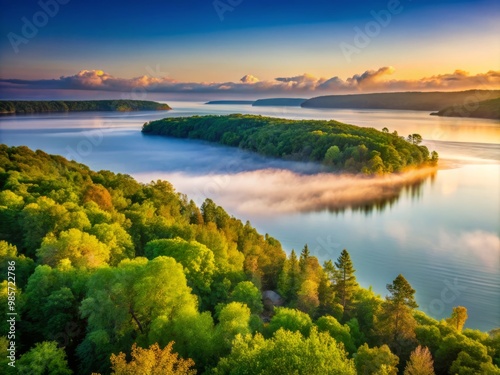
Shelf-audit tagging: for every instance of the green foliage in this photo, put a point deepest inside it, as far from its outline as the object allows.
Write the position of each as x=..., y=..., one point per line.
x=94, y=294
x=234, y=319
x=345, y=281
x=396, y=323
x=80, y=248
x=340, y=146
x=24, y=266
x=53, y=297
x=246, y=292
x=286, y=353
x=291, y=320
x=123, y=303
x=80, y=105
x=458, y=318
x=377, y=360
x=463, y=355
x=44, y=358
x=341, y=333
x=197, y=259
x=289, y=281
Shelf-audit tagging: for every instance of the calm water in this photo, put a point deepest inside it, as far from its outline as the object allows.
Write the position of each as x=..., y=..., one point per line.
x=441, y=234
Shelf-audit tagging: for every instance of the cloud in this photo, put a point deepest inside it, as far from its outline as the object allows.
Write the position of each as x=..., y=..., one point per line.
x=368, y=81
x=249, y=79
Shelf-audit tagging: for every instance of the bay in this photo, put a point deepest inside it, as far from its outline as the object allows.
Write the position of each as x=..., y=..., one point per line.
x=442, y=234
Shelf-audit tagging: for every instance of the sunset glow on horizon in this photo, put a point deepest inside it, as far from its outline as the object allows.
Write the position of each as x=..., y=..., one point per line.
x=206, y=49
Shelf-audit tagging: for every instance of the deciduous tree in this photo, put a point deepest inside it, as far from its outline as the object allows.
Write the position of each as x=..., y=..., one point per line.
x=458, y=318
x=152, y=361
x=420, y=362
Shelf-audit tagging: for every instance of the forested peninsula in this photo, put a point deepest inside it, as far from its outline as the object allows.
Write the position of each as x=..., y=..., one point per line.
x=483, y=109
x=342, y=147
x=117, y=277
x=29, y=106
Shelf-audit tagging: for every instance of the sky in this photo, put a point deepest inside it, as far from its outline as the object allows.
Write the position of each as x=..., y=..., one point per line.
x=204, y=49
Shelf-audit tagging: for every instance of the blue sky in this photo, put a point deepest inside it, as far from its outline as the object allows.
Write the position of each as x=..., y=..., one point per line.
x=191, y=42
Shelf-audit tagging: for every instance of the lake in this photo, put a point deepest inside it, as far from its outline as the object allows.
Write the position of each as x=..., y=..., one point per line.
x=441, y=233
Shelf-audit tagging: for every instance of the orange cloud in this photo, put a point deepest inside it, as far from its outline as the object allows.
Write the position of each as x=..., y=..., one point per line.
x=368, y=81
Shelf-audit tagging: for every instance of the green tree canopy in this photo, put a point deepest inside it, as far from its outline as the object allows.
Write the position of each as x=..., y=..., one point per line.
x=246, y=292
x=377, y=360
x=82, y=249
x=44, y=358
x=197, y=259
x=291, y=320
x=286, y=353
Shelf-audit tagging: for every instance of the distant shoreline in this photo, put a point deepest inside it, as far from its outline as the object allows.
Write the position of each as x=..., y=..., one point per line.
x=420, y=101
x=18, y=107
x=489, y=109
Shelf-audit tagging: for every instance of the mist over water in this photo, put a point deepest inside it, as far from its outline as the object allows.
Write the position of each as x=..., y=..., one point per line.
x=434, y=227
x=281, y=191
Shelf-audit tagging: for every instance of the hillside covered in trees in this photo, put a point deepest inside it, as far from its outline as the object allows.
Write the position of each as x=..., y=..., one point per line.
x=417, y=101
x=29, y=106
x=340, y=146
x=114, y=276
x=483, y=109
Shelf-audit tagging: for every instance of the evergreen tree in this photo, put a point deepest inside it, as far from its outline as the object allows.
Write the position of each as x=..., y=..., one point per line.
x=345, y=281
x=304, y=259
x=289, y=280
x=396, y=323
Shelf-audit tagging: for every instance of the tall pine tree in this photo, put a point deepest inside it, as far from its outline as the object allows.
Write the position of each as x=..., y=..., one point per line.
x=396, y=323
x=289, y=280
x=345, y=281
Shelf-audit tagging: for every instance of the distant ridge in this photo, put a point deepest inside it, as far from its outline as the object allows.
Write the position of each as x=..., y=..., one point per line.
x=286, y=102
x=31, y=106
x=485, y=109
x=420, y=101
x=245, y=102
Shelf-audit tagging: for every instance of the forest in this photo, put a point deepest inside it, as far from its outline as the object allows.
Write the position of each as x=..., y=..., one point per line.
x=29, y=106
x=117, y=277
x=340, y=146
x=478, y=109
x=415, y=101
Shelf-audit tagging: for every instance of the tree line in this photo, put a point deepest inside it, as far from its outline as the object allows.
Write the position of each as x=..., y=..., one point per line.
x=119, y=277
x=33, y=106
x=339, y=146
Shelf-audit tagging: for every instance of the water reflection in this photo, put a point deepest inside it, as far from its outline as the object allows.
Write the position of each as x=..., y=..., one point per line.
x=280, y=191
x=413, y=190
